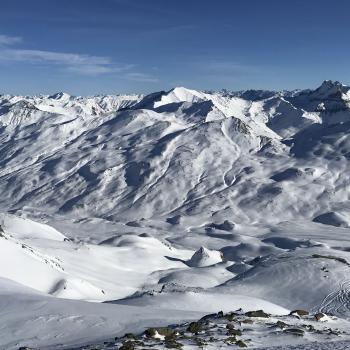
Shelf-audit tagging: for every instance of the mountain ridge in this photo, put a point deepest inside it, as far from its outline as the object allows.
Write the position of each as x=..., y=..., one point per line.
x=131, y=148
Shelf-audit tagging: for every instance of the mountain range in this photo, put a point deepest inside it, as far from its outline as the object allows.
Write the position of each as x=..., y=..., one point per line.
x=168, y=206
x=248, y=157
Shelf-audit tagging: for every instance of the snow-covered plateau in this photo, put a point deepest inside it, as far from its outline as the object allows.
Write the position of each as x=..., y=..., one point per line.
x=121, y=214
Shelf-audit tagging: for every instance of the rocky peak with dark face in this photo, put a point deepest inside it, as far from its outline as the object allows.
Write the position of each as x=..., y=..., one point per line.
x=23, y=104
x=256, y=95
x=60, y=96
x=331, y=96
x=330, y=89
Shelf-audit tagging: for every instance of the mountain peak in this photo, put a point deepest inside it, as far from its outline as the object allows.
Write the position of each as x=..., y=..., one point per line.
x=60, y=96
x=182, y=89
x=179, y=94
x=184, y=94
x=330, y=87
x=331, y=83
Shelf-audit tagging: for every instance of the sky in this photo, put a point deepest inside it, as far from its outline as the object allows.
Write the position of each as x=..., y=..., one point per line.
x=87, y=47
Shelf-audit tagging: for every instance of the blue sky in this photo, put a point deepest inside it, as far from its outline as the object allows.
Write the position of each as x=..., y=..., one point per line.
x=113, y=46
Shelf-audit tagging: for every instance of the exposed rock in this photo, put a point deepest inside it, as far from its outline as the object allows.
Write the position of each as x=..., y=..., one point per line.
x=231, y=340
x=281, y=324
x=220, y=314
x=163, y=331
x=130, y=336
x=200, y=342
x=230, y=326
x=225, y=226
x=247, y=321
x=235, y=332
x=172, y=344
x=241, y=344
x=230, y=316
x=129, y=345
x=321, y=317
x=150, y=332
x=217, y=332
x=336, y=258
x=258, y=313
x=295, y=331
x=299, y=313
x=133, y=224
x=174, y=220
x=209, y=317
x=195, y=327
x=309, y=327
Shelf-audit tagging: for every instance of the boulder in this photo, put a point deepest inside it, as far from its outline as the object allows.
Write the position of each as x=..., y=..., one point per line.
x=257, y=313
x=195, y=327
x=299, y=313
x=321, y=317
x=295, y=331
x=241, y=344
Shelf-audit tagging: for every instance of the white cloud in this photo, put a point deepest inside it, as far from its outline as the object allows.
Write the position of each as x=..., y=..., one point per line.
x=33, y=56
x=72, y=62
x=95, y=69
x=9, y=40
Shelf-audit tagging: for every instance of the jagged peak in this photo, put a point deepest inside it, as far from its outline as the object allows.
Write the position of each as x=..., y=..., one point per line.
x=329, y=90
x=331, y=83
x=331, y=87
x=60, y=96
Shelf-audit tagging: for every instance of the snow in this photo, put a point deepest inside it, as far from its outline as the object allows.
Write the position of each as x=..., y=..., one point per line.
x=204, y=257
x=82, y=271
x=179, y=94
x=205, y=302
x=339, y=345
x=24, y=228
x=43, y=322
x=181, y=200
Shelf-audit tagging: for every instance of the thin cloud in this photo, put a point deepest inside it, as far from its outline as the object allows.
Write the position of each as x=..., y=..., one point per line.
x=141, y=77
x=71, y=62
x=225, y=66
x=9, y=40
x=95, y=69
x=34, y=56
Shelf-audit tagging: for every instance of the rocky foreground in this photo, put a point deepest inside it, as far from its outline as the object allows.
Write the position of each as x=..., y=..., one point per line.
x=254, y=329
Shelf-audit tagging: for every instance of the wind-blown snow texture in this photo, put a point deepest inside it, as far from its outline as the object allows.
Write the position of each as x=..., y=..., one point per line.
x=186, y=200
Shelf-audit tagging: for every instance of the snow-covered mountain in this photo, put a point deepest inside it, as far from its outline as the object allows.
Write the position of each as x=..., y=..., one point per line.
x=188, y=200
x=200, y=157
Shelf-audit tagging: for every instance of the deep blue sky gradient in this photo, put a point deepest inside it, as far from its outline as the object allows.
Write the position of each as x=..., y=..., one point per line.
x=148, y=45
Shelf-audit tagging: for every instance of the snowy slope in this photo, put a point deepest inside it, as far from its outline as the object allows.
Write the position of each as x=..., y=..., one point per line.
x=188, y=200
x=43, y=322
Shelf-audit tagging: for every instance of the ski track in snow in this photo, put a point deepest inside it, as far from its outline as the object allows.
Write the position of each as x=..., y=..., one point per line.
x=337, y=302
